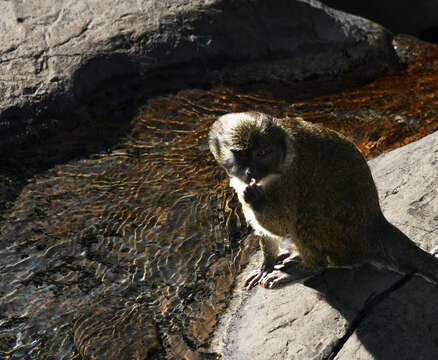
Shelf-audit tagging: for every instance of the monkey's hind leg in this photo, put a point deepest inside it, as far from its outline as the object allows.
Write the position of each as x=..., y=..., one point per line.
x=285, y=255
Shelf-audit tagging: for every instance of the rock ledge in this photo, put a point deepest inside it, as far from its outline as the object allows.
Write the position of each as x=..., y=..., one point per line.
x=351, y=314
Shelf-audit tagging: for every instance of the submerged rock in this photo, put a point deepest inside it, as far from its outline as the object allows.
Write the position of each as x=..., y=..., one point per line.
x=351, y=314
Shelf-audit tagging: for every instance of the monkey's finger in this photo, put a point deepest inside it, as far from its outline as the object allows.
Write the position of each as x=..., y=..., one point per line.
x=279, y=267
x=292, y=261
x=284, y=254
x=289, y=264
x=252, y=275
x=257, y=189
x=253, y=279
x=275, y=279
x=252, y=193
x=253, y=283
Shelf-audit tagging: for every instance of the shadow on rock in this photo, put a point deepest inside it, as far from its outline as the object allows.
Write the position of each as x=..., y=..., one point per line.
x=344, y=314
x=393, y=316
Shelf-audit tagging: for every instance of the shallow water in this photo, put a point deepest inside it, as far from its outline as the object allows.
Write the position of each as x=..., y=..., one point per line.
x=131, y=252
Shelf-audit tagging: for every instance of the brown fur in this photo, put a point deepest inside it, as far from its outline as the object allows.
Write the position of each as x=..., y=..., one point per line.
x=326, y=202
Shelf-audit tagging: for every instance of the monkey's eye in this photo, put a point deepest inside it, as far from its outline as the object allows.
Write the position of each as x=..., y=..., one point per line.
x=240, y=154
x=262, y=153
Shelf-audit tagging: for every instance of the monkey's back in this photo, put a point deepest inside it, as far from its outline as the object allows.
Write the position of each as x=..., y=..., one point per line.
x=334, y=196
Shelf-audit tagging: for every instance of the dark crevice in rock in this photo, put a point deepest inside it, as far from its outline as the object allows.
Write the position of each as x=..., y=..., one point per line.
x=363, y=313
x=283, y=325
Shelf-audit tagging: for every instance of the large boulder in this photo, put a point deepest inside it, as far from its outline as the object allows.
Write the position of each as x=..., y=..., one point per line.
x=55, y=55
x=351, y=314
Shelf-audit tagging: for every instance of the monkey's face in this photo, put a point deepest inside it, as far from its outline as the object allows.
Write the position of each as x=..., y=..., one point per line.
x=250, y=146
x=255, y=163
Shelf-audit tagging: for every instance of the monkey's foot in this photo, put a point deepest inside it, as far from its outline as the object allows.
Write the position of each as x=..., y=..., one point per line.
x=287, y=255
x=272, y=277
x=290, y=272
x=278, y=277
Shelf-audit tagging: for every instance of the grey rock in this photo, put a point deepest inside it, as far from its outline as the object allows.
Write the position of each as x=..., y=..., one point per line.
x=407, y=181
x=351, y=314
x=54, y=56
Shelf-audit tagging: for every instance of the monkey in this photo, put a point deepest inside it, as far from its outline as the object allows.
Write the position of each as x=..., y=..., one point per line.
x=309, y=186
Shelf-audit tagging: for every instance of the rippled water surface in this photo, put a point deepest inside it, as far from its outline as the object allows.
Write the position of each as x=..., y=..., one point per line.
x=130, y=253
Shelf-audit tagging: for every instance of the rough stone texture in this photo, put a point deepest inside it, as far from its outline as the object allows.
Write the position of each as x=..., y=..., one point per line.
x=407, y=181
x=127, y=241
x=54, y=55
x=351, y=314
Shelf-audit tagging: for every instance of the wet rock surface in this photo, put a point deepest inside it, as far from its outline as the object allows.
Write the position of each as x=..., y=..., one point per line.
x=127, y=226
x=122, y=252
x=55, y=55
x=351, y=314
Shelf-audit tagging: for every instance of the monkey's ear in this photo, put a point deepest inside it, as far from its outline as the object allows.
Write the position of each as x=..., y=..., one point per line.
x=214, y=144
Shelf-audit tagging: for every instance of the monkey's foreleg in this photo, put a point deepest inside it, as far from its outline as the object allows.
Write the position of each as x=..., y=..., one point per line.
x=270, y=251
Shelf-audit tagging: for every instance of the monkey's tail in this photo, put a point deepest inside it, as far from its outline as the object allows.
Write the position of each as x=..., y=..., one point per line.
x=405, y=256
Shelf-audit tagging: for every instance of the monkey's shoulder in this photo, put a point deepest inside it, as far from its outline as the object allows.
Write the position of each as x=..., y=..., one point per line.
x=310, y=139
x=297, y=128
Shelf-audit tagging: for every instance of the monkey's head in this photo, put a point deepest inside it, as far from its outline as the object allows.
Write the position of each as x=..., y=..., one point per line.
x=249, y=146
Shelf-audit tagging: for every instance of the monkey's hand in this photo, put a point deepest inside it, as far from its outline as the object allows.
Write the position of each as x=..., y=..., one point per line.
x=257, y=275
x=252, y=192
x=261, y=275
